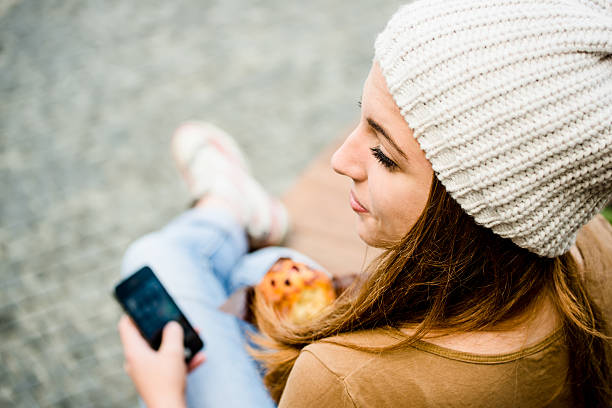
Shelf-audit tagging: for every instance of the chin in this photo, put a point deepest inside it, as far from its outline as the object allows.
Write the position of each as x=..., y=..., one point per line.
x=368, y=237
x=376, y=239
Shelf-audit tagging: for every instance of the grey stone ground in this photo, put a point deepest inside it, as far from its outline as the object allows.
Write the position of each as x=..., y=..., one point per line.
x=89, y=94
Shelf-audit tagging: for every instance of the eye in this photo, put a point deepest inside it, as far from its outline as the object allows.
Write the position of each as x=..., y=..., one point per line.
x=383, y=159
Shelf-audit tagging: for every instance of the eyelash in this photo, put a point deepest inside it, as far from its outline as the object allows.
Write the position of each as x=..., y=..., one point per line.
x=384, y=160
x=379, y=155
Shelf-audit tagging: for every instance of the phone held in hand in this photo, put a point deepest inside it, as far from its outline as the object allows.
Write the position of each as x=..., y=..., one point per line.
x=146, y=301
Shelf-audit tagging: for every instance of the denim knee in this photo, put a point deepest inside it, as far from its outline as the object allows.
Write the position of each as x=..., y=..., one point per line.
x=138, y=253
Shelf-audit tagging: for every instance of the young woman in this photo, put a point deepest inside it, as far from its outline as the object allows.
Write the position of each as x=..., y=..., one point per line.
x=484, y=145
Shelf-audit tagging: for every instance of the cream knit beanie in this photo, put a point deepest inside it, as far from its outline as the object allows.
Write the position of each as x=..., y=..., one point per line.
x=511, y=101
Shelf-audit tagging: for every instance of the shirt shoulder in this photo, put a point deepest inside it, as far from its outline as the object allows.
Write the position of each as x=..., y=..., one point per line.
x=425, y=376
x=369, y=379
x=312, y=383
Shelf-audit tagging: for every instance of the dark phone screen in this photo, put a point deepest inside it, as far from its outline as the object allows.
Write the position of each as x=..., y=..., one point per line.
x=151, y=307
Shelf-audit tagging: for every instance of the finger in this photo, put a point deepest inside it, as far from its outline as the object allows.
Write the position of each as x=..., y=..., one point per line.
x=172, y=338
x=195, y=362
x=130, y=336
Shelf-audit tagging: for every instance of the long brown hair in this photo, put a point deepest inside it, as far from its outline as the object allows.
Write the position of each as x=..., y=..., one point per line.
x=451, y=274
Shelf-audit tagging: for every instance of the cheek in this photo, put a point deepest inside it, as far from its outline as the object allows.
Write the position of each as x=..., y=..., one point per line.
x=397, y=205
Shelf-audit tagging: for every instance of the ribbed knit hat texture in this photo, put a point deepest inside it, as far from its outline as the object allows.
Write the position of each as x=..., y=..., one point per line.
x=511, y=101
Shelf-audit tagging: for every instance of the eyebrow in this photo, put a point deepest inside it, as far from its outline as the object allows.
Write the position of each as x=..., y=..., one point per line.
x=383, y=132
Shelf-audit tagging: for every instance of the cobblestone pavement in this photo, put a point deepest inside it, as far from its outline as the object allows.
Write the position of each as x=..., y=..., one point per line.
x=89, y=93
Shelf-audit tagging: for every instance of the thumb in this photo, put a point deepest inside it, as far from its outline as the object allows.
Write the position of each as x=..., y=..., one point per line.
x=172, y=338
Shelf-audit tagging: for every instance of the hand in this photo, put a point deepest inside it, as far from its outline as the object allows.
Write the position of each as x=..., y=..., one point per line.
x=160, y=376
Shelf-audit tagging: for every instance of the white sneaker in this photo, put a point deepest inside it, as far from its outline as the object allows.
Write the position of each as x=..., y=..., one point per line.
x=212, y=163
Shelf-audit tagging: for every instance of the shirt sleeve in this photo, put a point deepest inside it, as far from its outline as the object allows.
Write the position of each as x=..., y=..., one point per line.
x=312, y=384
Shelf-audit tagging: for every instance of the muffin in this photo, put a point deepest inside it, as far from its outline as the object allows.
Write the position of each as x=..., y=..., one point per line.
x=295, y=290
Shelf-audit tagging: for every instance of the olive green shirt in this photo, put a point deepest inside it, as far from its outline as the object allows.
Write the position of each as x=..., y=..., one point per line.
x=426, y=375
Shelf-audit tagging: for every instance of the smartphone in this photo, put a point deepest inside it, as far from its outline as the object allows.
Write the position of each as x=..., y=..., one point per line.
x=146, y=301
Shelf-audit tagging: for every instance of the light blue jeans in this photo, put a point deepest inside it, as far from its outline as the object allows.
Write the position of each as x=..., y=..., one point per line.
x=201, y=258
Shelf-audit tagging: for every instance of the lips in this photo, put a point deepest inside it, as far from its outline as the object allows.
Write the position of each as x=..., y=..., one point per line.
x=356, y=205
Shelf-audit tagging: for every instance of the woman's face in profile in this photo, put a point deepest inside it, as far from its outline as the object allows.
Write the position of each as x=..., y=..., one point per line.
x=391, y=176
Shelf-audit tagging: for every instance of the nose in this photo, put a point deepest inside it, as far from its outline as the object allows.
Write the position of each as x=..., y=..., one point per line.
x=347, y=160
